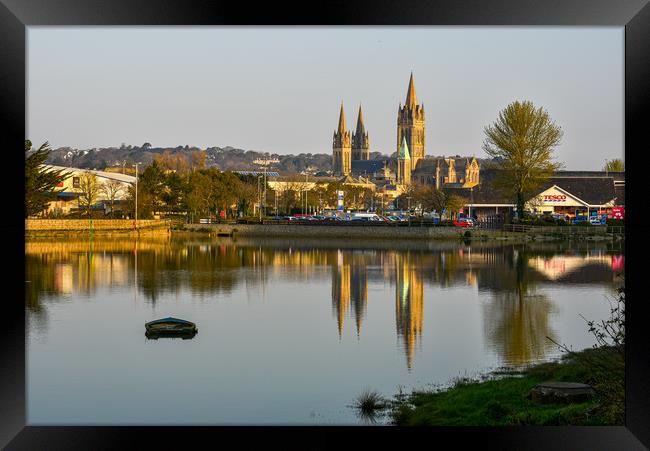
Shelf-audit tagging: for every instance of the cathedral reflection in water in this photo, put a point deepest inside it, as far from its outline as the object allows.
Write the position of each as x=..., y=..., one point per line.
x=515, y=318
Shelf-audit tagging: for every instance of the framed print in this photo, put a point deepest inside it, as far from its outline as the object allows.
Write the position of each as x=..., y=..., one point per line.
x=245, y=222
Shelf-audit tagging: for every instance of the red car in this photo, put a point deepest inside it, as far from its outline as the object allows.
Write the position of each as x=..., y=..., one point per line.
x=464, y=222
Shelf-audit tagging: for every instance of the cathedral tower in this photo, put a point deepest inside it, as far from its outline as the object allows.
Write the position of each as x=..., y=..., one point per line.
x=341, y=148
x=360, y=142
x=410, y=125
x=403, y=164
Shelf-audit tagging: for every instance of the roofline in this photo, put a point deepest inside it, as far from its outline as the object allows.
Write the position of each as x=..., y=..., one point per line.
x=566, y=192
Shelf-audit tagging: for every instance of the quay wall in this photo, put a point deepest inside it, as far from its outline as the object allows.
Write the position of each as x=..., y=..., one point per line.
x=377, y=232
x=99, y=226
x=345, y=232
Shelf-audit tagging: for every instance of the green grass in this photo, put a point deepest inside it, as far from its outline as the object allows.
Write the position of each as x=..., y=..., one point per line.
x=504, y=401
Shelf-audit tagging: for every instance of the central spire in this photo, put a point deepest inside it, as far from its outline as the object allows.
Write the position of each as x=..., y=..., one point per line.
x=404, y=150
x=411, y=99
x=342, y=120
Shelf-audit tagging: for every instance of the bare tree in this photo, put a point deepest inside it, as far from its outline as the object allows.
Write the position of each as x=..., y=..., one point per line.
x=198, y=160
x=112, y=189
x=89, y=188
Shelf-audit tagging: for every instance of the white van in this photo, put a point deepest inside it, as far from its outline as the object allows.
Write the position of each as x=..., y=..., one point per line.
x=366, y=217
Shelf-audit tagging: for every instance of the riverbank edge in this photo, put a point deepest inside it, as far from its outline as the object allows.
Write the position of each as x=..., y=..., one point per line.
x=107, y=227
x=98, y=227
x=501, y=398
x=361, y=232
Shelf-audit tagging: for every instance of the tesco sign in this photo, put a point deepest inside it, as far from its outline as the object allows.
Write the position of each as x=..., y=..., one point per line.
x=554, y=198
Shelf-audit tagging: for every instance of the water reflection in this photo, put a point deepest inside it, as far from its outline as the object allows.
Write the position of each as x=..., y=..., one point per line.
x=516, y=316
x=516, y=321
x=409, y=301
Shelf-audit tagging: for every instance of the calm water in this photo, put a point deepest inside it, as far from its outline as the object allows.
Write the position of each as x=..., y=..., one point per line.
x=290, y=332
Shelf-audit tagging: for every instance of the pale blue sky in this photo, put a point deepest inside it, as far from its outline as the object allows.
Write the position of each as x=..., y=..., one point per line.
x=279, y=89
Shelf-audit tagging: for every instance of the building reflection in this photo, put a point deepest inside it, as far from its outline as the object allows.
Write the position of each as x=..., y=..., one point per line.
x=349, y=288
x=516, y=312
x=409, y=302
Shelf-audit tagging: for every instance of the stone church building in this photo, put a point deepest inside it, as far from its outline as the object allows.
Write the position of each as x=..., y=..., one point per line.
x=351, y=154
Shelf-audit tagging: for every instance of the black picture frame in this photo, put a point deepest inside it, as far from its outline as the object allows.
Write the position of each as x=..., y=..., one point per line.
x=16, y=15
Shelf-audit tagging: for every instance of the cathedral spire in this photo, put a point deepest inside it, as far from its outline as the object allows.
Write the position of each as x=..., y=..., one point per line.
x=411, y=99
x=404, y=150
x=341, y=120
x=360, y=127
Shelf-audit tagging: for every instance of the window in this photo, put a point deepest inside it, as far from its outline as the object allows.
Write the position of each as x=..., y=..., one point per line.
x=75, y=182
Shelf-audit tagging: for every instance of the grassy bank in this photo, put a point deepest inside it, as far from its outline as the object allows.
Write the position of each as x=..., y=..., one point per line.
x=503, y=400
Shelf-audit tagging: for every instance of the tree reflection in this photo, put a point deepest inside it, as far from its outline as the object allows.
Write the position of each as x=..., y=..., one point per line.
x=516, y=321
x=516, y=318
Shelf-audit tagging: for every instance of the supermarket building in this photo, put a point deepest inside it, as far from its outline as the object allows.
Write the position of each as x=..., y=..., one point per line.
x=571, y=194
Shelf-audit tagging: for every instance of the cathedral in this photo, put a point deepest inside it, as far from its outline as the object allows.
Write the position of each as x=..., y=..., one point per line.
x=351, y=153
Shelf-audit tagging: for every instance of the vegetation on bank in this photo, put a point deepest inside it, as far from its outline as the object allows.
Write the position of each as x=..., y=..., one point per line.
x=503, y=398
x=504, y=401
x=40, y=184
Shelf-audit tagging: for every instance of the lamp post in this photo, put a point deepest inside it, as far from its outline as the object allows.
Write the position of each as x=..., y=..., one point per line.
x=264, y=196
x=136, y=197
x=259, y=197
x=471, y=191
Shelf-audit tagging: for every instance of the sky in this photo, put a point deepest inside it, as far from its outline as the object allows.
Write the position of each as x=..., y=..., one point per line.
x=279, y=89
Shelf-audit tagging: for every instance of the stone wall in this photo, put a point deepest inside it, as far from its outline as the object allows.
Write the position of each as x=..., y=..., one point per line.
x=378, y=232
x=297, y=231
x=98, y=225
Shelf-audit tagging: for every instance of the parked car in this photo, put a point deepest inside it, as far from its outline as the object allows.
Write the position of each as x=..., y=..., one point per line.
x=464, y=222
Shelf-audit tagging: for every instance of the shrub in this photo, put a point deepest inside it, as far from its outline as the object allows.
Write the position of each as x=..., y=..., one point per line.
x=495, y=410
x=615, y=222
x=369, y=403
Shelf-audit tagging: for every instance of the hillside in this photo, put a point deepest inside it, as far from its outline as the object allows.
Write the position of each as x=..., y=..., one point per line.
x=224, y=158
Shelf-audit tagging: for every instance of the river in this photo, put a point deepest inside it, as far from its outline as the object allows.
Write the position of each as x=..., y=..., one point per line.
x=290, y=332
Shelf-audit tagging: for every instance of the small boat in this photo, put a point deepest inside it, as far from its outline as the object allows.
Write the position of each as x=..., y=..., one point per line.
x=170, y=326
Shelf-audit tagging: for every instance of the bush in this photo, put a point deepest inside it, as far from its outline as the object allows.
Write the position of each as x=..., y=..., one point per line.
x=495, y=410
x=544, y=220
x=615, y=222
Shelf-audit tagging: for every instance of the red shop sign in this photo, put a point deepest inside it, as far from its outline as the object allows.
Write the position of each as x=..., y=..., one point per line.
x=554, y=197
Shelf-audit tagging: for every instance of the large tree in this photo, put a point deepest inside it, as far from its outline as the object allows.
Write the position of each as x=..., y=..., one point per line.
x=152, y=183
x=521, y=142
x=40, y=183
